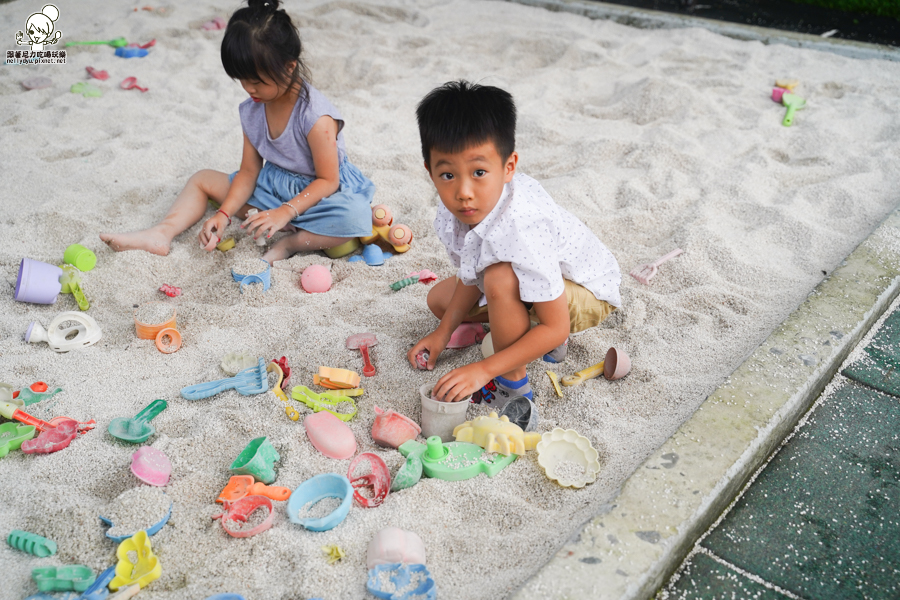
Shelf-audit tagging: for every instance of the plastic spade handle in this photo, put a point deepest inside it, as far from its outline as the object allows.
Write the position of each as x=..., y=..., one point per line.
x=368, y=369
x=150, y=412
x=273, y=492
x=29, y=420
x=666, y=257
x=210, y=388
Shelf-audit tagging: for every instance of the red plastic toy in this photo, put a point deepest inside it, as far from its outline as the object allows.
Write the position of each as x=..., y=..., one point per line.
x=52, y=440
x=379, y=479
x=96, y=74
x=170, y=290
x=240, y=510
x=282, y=362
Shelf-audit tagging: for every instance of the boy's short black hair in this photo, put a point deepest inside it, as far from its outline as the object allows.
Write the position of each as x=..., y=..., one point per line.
x=459, y=114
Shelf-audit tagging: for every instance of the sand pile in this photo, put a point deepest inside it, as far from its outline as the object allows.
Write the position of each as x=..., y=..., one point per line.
x=655, y=139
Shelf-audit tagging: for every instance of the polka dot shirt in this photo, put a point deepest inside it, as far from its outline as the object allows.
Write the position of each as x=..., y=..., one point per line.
x=544, y=243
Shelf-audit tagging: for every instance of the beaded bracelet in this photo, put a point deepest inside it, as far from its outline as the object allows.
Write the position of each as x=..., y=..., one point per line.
x=226, y=215
x=296, y=212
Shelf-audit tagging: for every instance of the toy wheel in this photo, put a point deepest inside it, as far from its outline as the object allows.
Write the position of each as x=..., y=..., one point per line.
x=399, y=235
x=381, y=215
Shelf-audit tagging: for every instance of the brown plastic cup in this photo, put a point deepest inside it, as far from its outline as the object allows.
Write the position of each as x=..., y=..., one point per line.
x=616, y=365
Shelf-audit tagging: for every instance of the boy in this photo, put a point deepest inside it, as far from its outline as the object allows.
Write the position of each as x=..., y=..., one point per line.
x=529, y=258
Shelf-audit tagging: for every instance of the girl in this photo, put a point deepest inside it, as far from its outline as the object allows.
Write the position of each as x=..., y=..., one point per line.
x=306, y=180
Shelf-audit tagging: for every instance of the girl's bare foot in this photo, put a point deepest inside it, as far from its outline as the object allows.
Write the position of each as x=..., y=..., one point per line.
x=149, y=240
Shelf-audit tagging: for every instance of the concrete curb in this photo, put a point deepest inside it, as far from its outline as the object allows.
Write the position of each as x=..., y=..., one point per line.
x=653, y=19
x=638, y=540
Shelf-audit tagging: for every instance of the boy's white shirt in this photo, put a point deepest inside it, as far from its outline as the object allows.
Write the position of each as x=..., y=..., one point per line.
x=544, y=243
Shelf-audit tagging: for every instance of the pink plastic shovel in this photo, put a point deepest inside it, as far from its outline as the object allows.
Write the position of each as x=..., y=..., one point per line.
x=645, y=273
x=362, y=342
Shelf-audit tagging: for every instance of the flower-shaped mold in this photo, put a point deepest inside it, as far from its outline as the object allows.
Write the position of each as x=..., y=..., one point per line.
x=145, y=569
x=404, y=582
x=70, y=577
x=234, y=362
x=568, y=458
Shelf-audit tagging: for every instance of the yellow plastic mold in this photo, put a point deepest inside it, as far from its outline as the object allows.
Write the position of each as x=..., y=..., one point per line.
x=339, y=378
x=496, y=435
x=141, y=572
x=568, y=458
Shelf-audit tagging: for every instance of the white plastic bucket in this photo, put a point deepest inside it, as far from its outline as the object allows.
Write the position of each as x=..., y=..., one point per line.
x=439, y=418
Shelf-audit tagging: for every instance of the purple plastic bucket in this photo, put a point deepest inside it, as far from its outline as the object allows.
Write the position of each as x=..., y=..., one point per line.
x=38, y=282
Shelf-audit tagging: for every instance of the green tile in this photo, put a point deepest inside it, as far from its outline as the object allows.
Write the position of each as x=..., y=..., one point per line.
x=879, y=367
x=823, y=519
x=704, y=579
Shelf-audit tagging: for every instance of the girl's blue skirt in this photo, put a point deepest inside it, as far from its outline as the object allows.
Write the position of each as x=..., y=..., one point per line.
x=346, y=213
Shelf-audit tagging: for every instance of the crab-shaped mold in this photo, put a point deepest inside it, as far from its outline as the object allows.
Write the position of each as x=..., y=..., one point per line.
x=496, y=434
x=144, y=570
x=568, y=458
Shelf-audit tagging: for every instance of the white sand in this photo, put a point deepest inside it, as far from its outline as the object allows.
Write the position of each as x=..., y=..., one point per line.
x=655, y=139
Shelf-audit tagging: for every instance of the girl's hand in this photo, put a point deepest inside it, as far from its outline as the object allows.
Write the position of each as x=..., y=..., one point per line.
x=212, y=230
x=268, y=222
x=459, y=384
x=433, y=343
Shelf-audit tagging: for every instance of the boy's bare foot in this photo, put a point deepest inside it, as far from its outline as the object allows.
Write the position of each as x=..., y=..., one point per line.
x=148, y=240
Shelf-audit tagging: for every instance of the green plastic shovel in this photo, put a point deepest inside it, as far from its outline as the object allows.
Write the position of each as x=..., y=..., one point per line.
x=137, y=429
x=793, y=103
x=119, y=42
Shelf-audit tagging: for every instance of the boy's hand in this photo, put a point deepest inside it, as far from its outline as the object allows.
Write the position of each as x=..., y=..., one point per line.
x=461, y=383
x=211, y=232
x=433, y=343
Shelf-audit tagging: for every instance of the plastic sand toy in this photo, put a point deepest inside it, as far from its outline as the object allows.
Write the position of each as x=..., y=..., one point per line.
x=311, y=491
x=378, y=480
x=454, y=461
x=425, y=276
x=71, y=284
x=131, y=52
x=392, y=429
x=554, y=381
x=290, y=411
x=137, y=429
x=522, y=412
x=330, y=436
x=258, y=459
x=568, y=458
x=168, y=340
x=77, y=255
x=333, y=553
x=362, y=342
x=149, y=331
x=86, y=89
x=12, y=435
x=36, y=392
x=38, y=83
x=792, y=103
x=214, y=24
x=31, y=543
x=97, y=590
x=496, y=434
x=37, y=282
x=645, y=273
x=344, y=249
x=326, y=401
x=119, y=42
x=11, y=410
x=316, y=279
x=151, y=466
x=52, y=440
x=395, y=545
x=397, y=236
x=285, y=369
x=234, y=362
x=440, y=418
x=248, y=382
x=397, y=581
x=142, y=572
x=239, y=486
x=239, y=511
x=151, y=530
x=225, y=245
x=467, y=334
x=264, y=276
x=408, y=474
x=170, y=290
x=84, y=333
x=615, y=366
x=59, y=579
x=130, y=83
x=97, y=74
x=337, y=379
x=399, y=285
x=372, y=255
